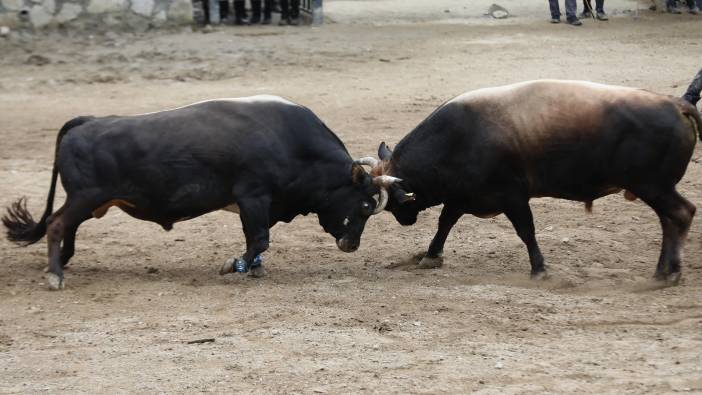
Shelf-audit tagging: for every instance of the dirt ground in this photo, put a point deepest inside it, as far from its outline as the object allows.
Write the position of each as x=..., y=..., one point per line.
x=324, y=321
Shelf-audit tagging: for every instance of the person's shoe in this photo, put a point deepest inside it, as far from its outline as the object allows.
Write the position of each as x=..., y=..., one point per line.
x=295, y=21
x=266, y=20
x=284, y=21
x=574, y=22
x=240, y=22
x=586, y=14
x=601, y=16
x=694, y=10
x=674, y=10
x=556, y=19
x=255, y=20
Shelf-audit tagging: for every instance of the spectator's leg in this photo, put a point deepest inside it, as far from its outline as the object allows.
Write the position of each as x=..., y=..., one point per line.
x=223, y=10
x=555, y=10
x=599, y=6
x=672, y=6
x=268, y=9
x=284, y=12
x=571, y=9
x=206, y=10
x=239, y=12
x=295, y=12
x=255, y=12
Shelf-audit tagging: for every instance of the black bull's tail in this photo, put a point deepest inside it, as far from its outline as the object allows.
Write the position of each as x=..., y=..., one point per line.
x=21, y=228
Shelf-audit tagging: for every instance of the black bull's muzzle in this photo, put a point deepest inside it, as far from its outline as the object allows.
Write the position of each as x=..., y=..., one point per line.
x=348, y=245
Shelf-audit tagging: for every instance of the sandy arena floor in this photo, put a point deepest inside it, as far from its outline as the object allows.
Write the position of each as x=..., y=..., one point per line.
x=324, y=321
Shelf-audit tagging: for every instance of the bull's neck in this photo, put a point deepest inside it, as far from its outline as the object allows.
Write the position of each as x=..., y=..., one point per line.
x=311, y=189
x=414, y=181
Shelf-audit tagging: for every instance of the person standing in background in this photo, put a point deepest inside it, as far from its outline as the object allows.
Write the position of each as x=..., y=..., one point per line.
x=240, y=13
x=290, y=12
x=256, y=12
x=599, y=10
x=571, y=12
x=693, y=7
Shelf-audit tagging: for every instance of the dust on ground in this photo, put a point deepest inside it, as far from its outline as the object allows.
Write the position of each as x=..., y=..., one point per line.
x=324, y=321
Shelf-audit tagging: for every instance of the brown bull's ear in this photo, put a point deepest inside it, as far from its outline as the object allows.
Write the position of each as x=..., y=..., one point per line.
x=384, y=152
x=357, y=173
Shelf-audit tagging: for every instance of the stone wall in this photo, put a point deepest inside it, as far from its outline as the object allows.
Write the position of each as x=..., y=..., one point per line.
x=98, y=14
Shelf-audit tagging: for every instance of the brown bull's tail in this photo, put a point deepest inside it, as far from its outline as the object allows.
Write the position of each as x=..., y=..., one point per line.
x=21, y=227
x=692, y=95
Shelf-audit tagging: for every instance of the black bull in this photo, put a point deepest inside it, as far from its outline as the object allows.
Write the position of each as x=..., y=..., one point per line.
x=490, y=151
x=263, y=157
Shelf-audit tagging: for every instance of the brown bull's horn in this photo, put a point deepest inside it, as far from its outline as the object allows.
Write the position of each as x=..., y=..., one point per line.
x=385, y=181
x=382, y=201
x=368, y=161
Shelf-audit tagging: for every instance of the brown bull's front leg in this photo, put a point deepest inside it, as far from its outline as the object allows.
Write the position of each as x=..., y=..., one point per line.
x=434, y=256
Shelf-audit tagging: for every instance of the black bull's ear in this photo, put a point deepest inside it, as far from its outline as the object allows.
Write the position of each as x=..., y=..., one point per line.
x=384, y=152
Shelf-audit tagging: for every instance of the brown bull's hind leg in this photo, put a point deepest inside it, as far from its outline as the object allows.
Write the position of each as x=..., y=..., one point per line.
x=523, y=221
x=675, y=214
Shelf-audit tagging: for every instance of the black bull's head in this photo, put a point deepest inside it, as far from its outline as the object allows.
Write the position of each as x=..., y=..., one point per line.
x=350, y=207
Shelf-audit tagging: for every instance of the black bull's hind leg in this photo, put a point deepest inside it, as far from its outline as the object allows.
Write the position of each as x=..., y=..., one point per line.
x=675, y=214
x=61, y=229
x=255, y=219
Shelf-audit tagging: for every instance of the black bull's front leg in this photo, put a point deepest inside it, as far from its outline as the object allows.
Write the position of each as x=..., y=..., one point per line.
x=255, y=218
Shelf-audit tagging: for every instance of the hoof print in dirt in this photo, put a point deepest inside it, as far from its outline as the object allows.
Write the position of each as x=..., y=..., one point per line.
x=430, y=263
x=257, y=271
x=55, y=282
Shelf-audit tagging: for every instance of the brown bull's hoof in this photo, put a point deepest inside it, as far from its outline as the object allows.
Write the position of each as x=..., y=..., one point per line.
x=227, y=267
x=430, y=263
x=55, y=282
x=540, y=276
x=257, y=271
x=669, y=279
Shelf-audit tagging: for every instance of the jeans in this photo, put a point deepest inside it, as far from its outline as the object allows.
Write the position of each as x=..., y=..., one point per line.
x=256, y=8
x=599, y=5
x=690, y=3
x=571, y=8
